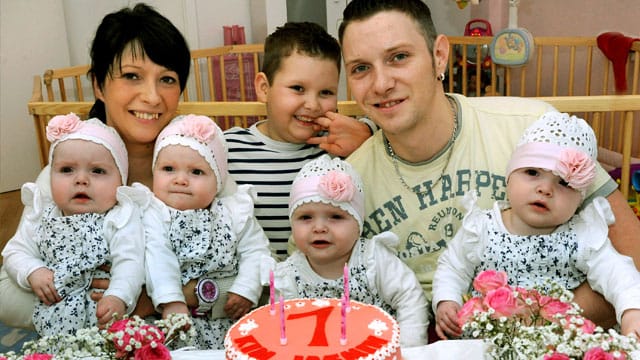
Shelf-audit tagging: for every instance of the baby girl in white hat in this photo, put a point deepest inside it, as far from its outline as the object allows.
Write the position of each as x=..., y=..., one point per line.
x=196, y=236
x=541, y=233
x=326, y=210
x=91, y=219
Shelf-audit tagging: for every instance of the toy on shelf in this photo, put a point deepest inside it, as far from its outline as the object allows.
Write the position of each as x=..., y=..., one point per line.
x=475, y=27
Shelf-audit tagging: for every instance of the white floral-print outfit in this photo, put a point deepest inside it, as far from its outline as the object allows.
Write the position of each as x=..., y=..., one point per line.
x=376, y=276
x=576, y=251
x=223, y=242
x=74, y=247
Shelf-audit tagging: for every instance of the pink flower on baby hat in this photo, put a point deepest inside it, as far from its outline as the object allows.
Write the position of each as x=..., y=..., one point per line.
x=489, y=280
x=576, y=168
x=198, y=127
x=337, y=186
x=62, y=125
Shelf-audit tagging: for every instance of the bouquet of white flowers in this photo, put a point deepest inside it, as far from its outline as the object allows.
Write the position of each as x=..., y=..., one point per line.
x=528, y=324
x=128, y=338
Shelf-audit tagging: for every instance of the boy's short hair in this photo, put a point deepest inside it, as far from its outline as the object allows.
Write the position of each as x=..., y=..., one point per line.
x=306, y=38
x=358, y=10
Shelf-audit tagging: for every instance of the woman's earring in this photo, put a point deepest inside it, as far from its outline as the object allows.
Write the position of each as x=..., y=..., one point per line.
x=440, y=77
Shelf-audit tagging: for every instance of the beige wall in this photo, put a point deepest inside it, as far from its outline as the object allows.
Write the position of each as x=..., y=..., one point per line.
x=40, y=34
x=565, y=17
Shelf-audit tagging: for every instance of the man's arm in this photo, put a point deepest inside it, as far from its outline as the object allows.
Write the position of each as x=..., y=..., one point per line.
x=623, y=235
x=624, y=232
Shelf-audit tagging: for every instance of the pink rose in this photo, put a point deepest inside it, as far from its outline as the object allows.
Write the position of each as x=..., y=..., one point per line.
x=62, y=125
x=550, y=307
x=119, y=325
x=588, y=327
x=337, y=186
x=198, y=127
x=556, y=356
x=148, y=352
x=502, y=301
x=468, y=309
x=597, y=354
x=576, y=168
x=38, y=357
x=151, y=334
x=489, y=280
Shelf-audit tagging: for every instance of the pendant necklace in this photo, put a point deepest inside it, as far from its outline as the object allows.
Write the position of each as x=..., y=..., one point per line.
x=448, y=147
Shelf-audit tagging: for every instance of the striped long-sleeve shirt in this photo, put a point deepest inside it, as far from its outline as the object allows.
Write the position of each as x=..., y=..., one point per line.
x=270, y=166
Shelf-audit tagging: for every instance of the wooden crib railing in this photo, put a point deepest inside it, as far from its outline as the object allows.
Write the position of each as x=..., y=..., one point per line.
x=626, y=104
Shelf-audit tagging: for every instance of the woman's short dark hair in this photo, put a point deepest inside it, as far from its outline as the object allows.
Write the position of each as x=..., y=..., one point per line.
x=148, y=34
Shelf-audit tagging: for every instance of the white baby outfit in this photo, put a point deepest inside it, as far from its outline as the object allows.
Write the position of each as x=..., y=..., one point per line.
x=73, y=247
x=223, y=242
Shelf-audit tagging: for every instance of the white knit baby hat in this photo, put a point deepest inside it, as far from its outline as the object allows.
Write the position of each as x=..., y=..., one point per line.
x=202, y=135
x=330, y=181
x=563, y=144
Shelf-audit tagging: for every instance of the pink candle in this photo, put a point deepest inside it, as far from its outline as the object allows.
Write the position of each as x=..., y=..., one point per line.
x=283, y=331
x=346, y=287
x=272, y=294
x=343, y=322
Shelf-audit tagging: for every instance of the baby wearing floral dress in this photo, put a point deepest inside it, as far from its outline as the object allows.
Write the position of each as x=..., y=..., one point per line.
x=541, y=233
x=195, y=233
x=91, y=220
x=326, y=208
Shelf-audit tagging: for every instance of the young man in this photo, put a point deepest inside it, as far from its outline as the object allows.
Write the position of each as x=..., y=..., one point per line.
x=435, y=147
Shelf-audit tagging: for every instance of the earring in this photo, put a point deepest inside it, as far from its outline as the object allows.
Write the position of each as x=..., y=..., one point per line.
x=440, y=77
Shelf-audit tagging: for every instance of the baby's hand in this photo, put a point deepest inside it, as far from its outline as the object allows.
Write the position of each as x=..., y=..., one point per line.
x=237, y=306
x=107, y=307
x=630, y=324
x=176, y=307
x=447, y=319
x=41, y=281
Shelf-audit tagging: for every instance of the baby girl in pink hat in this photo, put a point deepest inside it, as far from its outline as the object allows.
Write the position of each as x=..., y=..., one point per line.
x=90, y=222
x=200, y=228
x=543, y=232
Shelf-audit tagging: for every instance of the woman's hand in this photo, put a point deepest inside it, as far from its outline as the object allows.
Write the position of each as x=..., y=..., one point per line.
x=176, y=307
x=41, y=281
x=236, y=306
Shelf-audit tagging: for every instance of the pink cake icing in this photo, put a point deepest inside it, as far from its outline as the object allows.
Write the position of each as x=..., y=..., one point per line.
x=313, y=332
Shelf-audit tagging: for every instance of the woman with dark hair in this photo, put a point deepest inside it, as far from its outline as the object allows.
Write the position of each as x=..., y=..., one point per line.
x=139, y=67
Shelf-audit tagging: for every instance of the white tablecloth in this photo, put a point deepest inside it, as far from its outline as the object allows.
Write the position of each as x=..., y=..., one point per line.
x=441, y=350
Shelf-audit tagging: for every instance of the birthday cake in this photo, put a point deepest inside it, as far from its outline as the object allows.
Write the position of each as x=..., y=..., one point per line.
x=314, y=329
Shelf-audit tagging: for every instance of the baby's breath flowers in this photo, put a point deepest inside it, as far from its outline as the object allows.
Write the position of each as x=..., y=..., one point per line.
x=128, y=338
x=530, y=324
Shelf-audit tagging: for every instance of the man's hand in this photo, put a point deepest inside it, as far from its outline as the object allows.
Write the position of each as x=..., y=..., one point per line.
x=595, y=306
x=345, y=134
